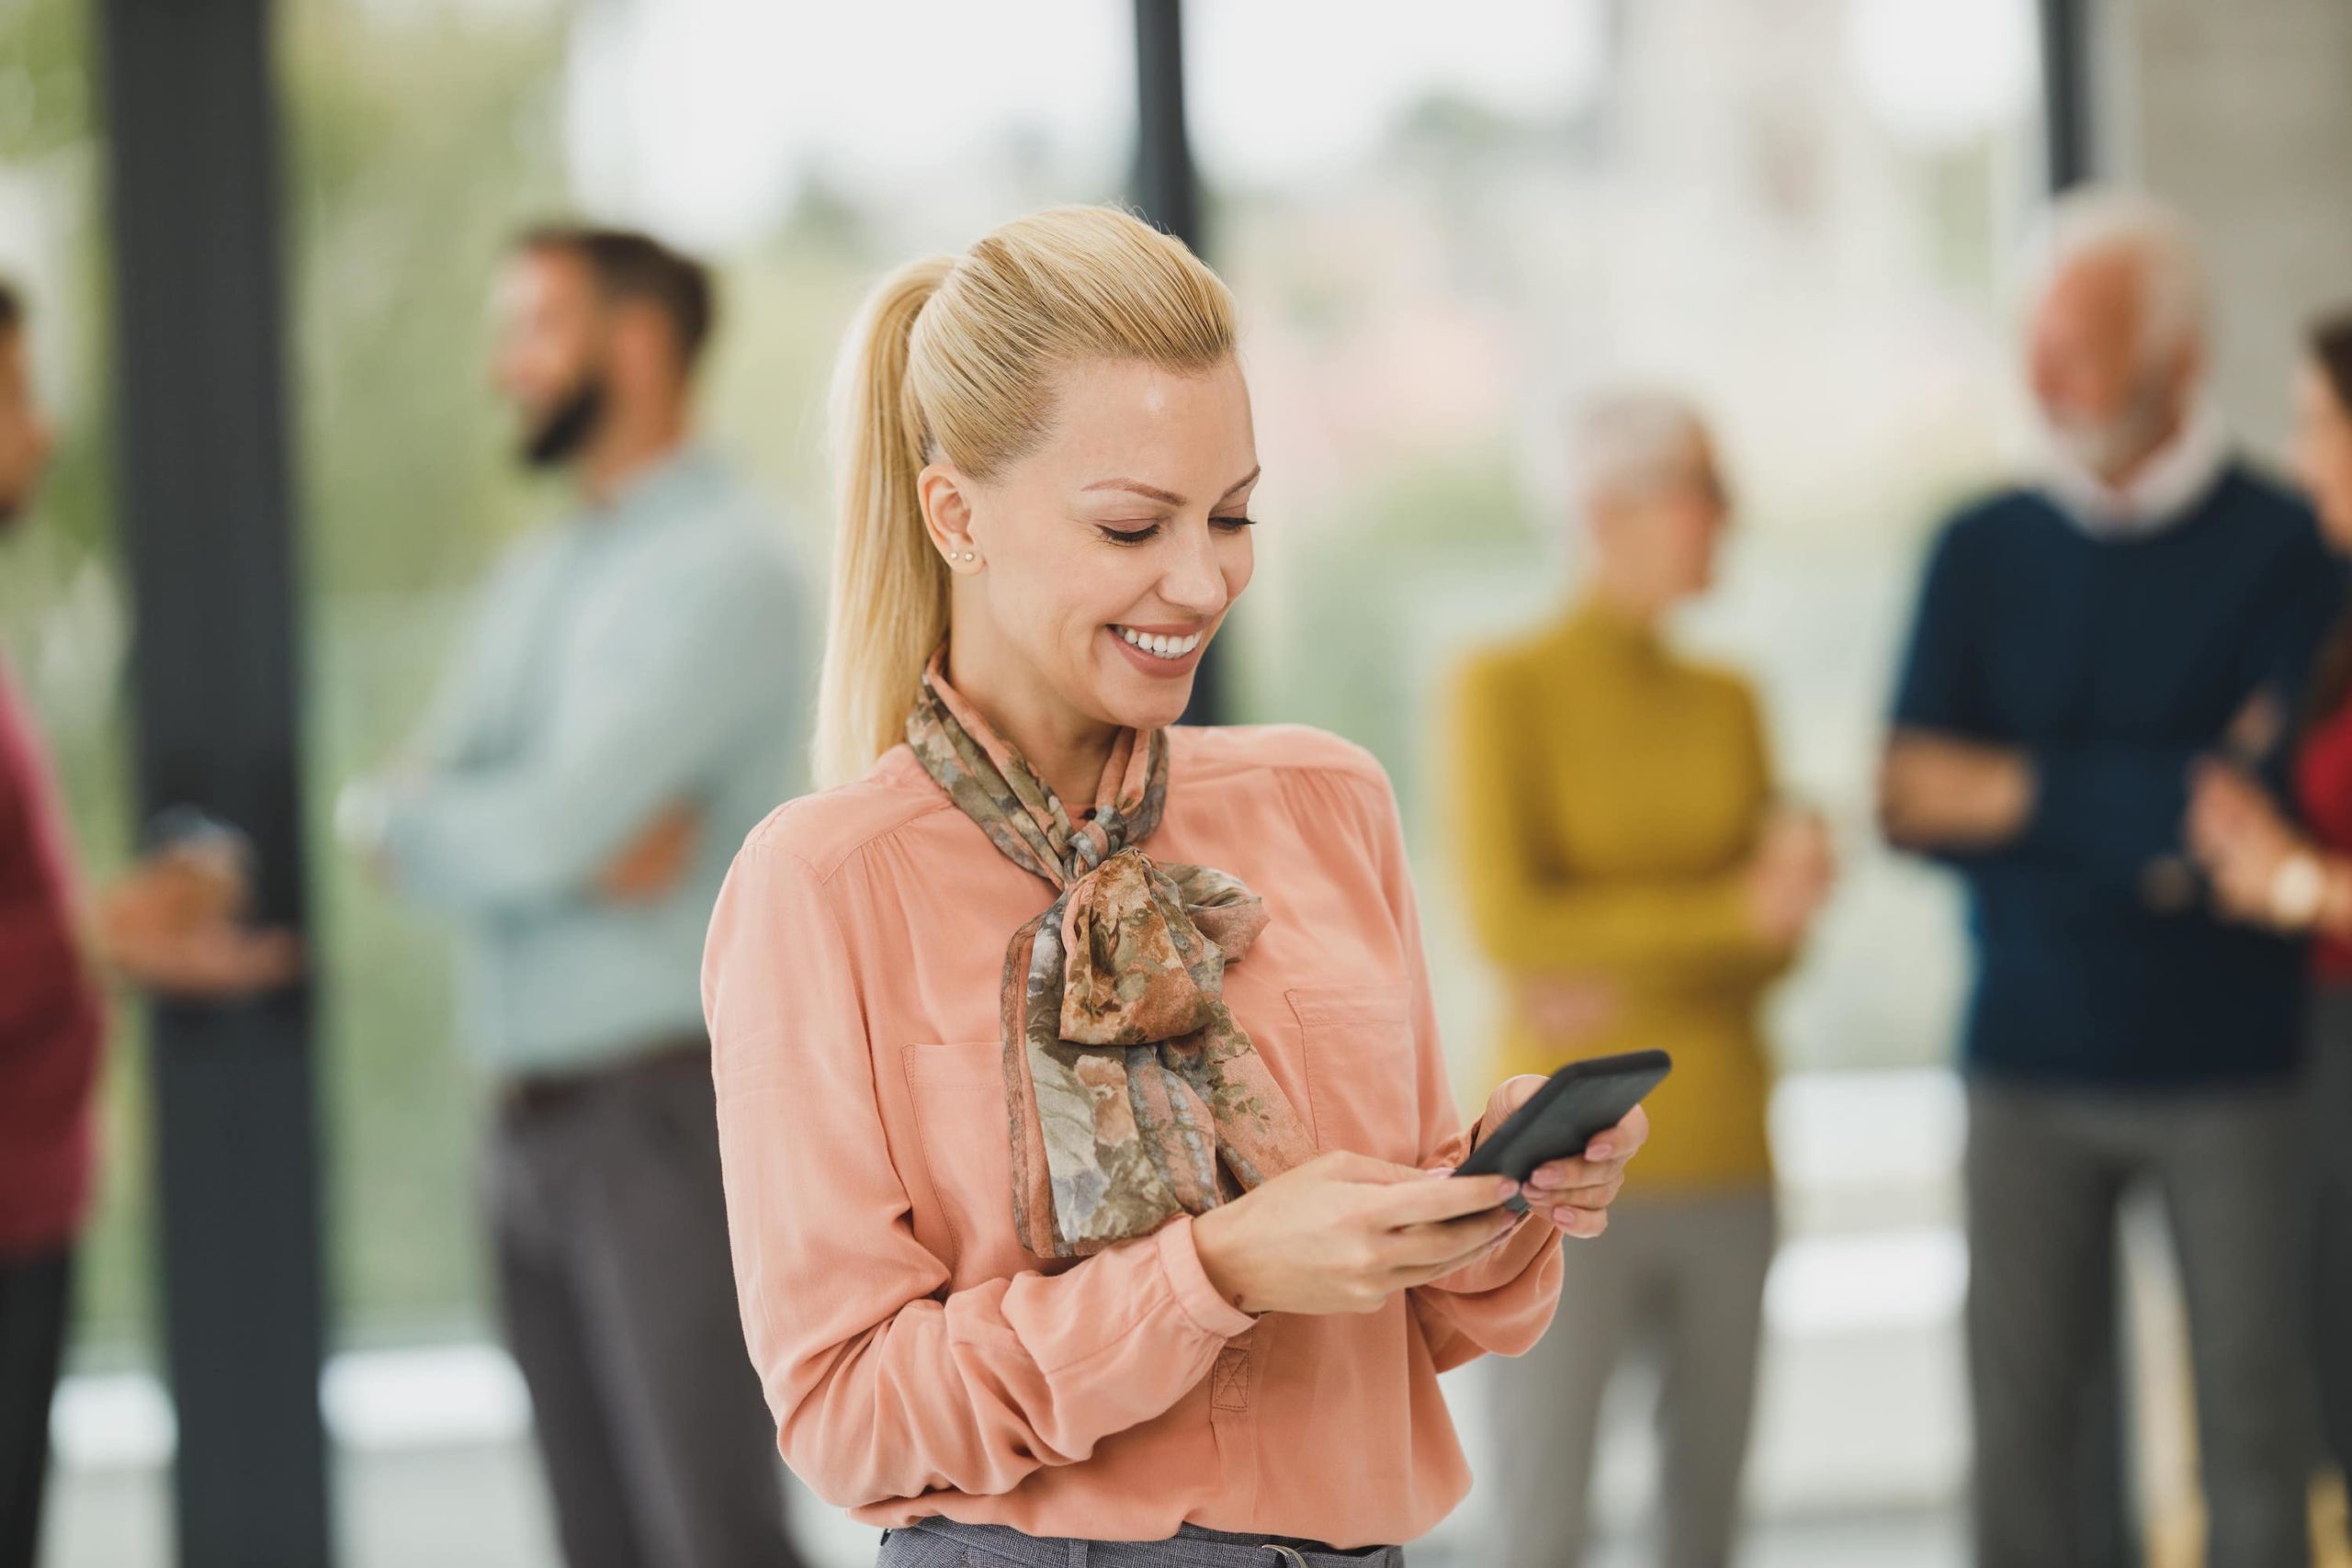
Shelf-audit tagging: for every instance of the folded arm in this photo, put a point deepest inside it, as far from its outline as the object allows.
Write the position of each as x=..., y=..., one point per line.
x=2108, y=809
x=1668, y=929
x=669, y=697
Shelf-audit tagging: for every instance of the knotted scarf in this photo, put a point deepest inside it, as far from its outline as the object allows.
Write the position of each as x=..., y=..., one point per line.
x=1132, y=1094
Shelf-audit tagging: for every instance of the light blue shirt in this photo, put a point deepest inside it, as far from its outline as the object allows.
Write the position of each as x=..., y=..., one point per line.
x=644, y=654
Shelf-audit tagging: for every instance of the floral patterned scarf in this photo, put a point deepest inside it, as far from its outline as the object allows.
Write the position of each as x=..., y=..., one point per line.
x=1133, y=1095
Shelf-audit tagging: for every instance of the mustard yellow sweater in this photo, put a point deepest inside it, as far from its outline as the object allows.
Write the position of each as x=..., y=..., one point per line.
x=1605, y=795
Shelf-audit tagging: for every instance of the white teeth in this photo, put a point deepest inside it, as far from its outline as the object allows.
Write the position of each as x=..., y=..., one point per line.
x=1160, y=645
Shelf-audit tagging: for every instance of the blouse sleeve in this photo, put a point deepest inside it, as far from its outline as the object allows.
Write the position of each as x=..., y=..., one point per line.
x=1503, y=1302
x=882, y=1384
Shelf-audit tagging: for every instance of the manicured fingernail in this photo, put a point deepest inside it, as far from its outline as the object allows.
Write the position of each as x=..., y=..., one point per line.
x=1600, y=1148
x=1511, y=1188
x=1443, y=1170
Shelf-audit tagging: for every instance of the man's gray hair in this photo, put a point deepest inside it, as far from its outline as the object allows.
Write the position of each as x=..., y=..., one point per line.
x=1624, y=443
x=2107, y=222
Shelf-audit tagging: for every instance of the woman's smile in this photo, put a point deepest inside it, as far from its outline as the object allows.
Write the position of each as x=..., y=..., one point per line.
x=1166, y=651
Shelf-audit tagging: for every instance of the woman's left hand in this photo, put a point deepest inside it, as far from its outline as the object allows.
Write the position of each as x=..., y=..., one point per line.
x=1574, y=1195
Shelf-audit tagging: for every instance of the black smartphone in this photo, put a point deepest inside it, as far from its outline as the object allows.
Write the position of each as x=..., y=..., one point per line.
x=1574, y=1106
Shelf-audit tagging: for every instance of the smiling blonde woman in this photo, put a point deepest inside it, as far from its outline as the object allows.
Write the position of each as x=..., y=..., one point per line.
x=1078, y=1081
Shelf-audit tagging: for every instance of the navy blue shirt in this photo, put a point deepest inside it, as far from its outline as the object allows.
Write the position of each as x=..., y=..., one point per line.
x=2114, y=664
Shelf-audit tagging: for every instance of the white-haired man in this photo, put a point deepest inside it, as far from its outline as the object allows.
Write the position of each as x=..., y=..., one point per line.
x=2079, y=642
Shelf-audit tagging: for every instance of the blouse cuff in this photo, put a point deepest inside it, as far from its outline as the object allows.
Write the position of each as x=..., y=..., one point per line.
x=1180, y=1261
x=1519, y=1249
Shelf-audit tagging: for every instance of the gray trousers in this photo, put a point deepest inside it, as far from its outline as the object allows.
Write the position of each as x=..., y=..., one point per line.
x=619, y=1303
x=2045, y=1169
x=2328, y=1141
x=944, y=1543
x=1680, y=1279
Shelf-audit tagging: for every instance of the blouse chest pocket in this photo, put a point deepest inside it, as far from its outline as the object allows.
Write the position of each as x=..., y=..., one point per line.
x=1362, y=1071
x=956, y=1092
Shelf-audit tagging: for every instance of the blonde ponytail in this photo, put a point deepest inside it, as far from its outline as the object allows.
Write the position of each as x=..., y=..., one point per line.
x=890, y=593
x=951, y=358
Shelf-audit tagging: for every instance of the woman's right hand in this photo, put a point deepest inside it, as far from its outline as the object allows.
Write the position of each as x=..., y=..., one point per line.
x=2243, y=839
x=1345, y=1232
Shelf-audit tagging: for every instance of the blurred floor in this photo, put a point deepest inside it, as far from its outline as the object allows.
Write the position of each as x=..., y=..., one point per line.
x=481, y=1509
x=1859, y=1456
x=1835, y=1484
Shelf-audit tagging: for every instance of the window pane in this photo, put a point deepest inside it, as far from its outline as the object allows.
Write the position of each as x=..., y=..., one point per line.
x=1443, y=238
x=767, y=137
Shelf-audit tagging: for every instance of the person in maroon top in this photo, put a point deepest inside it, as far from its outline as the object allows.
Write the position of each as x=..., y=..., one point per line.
x=173, y=925
x=50, y=1027
x=2270, y=870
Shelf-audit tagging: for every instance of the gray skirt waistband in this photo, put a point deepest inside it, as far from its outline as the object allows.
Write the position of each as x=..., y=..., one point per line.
x=944, y=1543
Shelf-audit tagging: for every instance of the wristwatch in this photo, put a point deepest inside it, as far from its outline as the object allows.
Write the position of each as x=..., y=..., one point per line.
x=2298, y=888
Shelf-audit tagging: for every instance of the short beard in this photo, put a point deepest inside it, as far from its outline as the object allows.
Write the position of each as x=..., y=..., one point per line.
x=2118, y=442
x=558, y=438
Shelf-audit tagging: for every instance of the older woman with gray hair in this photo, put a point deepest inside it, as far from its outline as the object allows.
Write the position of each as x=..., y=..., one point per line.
x=1630, y=876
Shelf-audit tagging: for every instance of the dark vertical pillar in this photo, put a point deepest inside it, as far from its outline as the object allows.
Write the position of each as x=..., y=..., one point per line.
x=2067, y=103
x=206, y=529
x=1166, y=190
x=1167, y=187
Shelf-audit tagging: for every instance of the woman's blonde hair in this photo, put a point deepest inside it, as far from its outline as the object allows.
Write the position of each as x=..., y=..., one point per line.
x=952, y=359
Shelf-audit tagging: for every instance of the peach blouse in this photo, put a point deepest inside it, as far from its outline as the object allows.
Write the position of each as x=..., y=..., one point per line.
x=920, y=1361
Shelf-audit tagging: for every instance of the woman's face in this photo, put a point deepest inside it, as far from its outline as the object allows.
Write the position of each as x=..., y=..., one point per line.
x=1659, y=547
x=2323, y=453
x=1108, y=556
